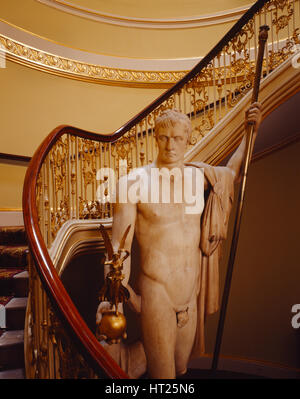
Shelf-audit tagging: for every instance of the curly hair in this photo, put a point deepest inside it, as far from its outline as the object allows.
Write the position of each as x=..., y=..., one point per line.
x=172, y=117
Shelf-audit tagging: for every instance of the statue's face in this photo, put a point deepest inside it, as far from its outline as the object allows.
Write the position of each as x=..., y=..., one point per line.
x=172, y=143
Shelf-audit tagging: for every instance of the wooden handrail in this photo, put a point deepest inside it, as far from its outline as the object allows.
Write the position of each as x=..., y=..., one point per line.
x=13, y=157
x=53, y=285
x=72, y=320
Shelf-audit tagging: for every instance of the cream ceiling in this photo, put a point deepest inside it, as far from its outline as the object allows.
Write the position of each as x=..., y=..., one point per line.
x=157, y=9
x=151, y=15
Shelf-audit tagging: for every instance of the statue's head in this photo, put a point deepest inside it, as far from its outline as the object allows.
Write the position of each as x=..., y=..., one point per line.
x=172, y=117
x=172, y=132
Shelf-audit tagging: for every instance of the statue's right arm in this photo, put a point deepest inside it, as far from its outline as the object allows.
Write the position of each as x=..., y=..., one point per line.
x=124, y=214
x=252, y=115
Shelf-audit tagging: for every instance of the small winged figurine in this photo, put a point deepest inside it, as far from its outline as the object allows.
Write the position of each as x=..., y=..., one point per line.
x=113, y=322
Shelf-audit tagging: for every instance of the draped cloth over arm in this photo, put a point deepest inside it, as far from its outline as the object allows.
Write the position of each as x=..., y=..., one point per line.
x=214, y=225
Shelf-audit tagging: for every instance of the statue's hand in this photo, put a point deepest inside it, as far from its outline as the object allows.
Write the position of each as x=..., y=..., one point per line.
x=103, y=307
x=253, y=115
x=134, y=300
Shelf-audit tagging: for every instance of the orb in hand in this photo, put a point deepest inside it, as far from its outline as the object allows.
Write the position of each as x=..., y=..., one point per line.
x=112, y=325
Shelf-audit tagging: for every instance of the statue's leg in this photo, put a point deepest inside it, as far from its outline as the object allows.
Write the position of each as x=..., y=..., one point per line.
x=131, y=358
x=158, y=320
x=137, y=363
x=185, y=339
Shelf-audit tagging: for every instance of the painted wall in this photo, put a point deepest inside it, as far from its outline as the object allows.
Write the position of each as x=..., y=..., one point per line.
x=11, y=177
x=34, y=103
x=266, y=275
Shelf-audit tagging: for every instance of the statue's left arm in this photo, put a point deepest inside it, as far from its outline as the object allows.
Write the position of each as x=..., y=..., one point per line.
x=252, y=115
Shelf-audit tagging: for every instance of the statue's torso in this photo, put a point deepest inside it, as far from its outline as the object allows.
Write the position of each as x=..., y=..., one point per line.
x=169, y=239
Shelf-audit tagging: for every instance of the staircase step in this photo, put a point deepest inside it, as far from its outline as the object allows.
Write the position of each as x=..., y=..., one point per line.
x=13, y=235
x=12, y=350
x=21, y=284
x=13, y=256
x=3, y=301
x=15, y=313
x=14, y=282
x=14, y=374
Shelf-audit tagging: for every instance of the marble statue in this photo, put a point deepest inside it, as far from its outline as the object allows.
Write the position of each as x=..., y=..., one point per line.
x=178, y=281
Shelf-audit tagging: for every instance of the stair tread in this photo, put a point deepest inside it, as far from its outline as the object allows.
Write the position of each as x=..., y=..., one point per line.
x=13, y=235
x=22, y=247
x=14, y=279
x=14, y=374
x=17, y=303
x=14, y=228
x=13, y=256
x=23, y=274
x=13, y=282
x=12, y=337
x=13, y=272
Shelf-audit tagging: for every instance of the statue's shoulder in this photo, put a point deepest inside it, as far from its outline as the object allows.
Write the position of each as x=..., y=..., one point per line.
x=214, y=174
x=200, y=165
x=209, y=168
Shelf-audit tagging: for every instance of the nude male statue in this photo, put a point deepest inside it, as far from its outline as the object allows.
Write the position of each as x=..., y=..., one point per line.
x=170, y=277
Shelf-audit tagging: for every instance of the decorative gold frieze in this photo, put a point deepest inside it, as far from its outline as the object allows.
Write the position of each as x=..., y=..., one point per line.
x=61, y=66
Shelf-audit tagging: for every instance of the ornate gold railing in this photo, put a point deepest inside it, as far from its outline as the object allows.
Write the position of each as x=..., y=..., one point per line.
x=64, y=181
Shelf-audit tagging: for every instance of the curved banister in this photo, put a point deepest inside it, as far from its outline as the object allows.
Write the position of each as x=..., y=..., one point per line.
x=52, y=284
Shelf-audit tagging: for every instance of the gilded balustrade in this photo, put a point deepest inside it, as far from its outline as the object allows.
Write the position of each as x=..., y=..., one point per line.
x=69, y=182
x=50, y=353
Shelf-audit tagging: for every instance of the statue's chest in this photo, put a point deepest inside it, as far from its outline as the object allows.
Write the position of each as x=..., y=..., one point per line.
x=161, y=212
